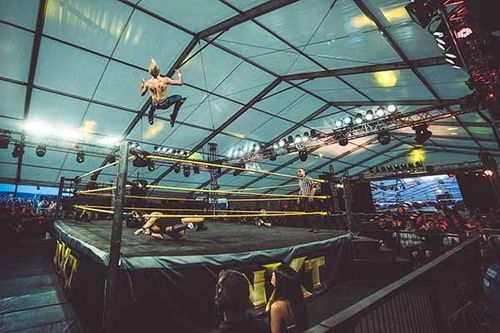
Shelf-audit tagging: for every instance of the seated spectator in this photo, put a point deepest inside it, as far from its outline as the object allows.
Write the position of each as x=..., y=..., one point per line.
x=232, y=299
x=288, y=311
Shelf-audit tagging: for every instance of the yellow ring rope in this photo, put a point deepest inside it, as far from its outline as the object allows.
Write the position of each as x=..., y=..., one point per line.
x=102, y=168
x=185, y=209
x=189, y=189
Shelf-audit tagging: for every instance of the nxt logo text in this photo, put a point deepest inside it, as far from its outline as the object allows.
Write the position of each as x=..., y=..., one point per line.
x=66, y=263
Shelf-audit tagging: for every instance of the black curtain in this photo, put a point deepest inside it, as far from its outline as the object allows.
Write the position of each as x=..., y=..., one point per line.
x=362, y=198
x=477, y=191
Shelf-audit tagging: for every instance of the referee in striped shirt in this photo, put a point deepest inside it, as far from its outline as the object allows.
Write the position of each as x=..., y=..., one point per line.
x=307, y=189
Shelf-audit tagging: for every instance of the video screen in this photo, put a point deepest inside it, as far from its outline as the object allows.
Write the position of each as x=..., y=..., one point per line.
x=415, y=194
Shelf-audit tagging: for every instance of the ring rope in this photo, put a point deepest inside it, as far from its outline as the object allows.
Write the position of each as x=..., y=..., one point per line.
x=140, y=197
x=94, y=209
x=188, y=189
x=264, y=187
x=188, y=199
x=156, y=157
x=208, y=215
x=238, y=215
x=187, y=209
x=102, y=168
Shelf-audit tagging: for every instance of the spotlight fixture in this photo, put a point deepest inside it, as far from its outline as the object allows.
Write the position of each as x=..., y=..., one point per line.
x=358, y=119
x=391, y=108
x=282, y=143
x=390, y=168
x=383, y=169
x=403, y=166
x=196, y=169
x=384, y=138
x=289, y=139
x=397, y=167
x=18, y=150
x=186, y=171
x=380, y=112
x=273, y=156
x=411, y=165
x=151, y=166
x=338, y=123
x=343, y=141
x=305, y=137
x=419, y=164
x=422, y=134
x=421, y=11
x=314, y=133
x=369, y=115
x=303, y=155
x=41, y=150
x=80, y=156
x=347, y=120
x=177, y=168
x=275, y=146
x=298, y=139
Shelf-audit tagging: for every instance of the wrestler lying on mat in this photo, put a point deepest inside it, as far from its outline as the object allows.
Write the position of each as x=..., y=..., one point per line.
x=157, y=86
x=160, y=227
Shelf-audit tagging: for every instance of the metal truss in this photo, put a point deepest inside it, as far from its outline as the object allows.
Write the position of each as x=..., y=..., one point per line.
x=387, y=123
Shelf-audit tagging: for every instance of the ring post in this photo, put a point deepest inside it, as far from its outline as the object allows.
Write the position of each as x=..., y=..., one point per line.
x=59, y=197
x=113, y=273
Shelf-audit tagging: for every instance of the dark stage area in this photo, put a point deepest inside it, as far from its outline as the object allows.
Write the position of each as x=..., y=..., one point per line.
x=220, y=238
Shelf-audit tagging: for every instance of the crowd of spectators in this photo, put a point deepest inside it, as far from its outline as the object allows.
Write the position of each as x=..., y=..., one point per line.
x=27, y=216
x=457, y=219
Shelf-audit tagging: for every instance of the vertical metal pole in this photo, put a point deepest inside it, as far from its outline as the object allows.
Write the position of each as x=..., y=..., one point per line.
x=113, y=273
x=59, y=196
x=348, y=198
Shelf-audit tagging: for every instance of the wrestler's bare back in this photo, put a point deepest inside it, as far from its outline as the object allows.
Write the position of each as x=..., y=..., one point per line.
x=158, y=88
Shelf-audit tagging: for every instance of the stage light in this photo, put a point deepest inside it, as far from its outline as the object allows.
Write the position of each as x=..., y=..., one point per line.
x=411, y=165
x=384, y=138
x=419, y=164
x=377, y=170
x=186, y=171
x=275, y=146
x=456, y=67
x=440, y=41
x=289, y=139
x=397, y=167
x=450, y=55
x=450, y=61
x=196, y=169
x=391, y=108
x=421, y=11
x=272, y=157
x=314, y=133
x=282, y=143
x=41, y=150
x=111, y=159
x=438, y=34
x=256, y=147
x=305, y=137
x=151, y=166
x=380, y=112
x=245, y=149
x=169, y=151
x=230, y=153
x=369, y=115
x=383, y=169
x=177, y=168
x=488, y=173
x=358, y=119
x=347, y=120
x=343, y=141
x=442, y=47
x=18, y=150
x=403, y=166
x=390, y=168
x=422, y=134
x=338, y=123
x=80, y=156
x=303, y=155
x=298, y=139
